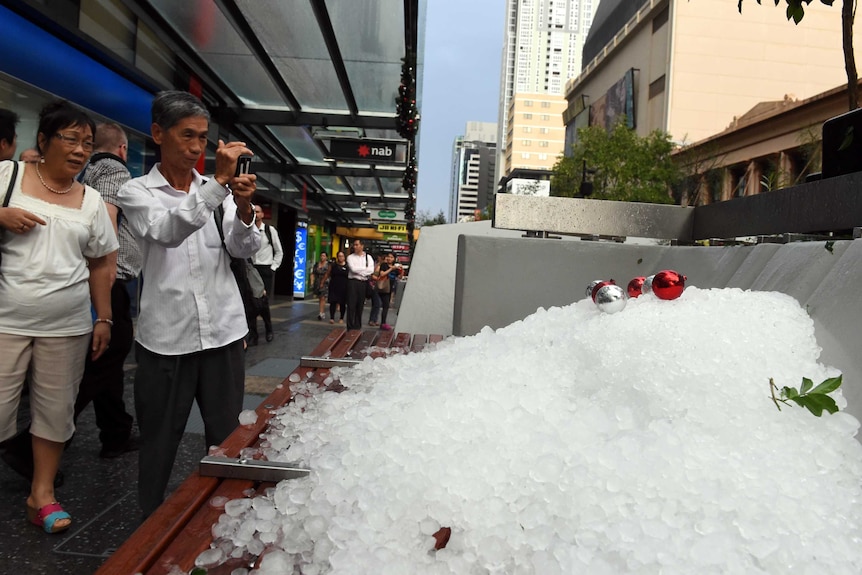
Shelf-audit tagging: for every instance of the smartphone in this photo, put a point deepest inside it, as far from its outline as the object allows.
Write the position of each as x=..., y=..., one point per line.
x=243, y=164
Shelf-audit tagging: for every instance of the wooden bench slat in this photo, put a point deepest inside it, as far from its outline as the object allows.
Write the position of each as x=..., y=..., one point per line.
x=328, y=342
x=346, y=343
x=418, y=344
x=366, y=340
x=402, y=342
x=196, y=536
x=384, y=340
x=147, y=543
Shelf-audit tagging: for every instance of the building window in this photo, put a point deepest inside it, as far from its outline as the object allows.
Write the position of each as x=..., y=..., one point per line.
x=528, y=116
x=657, y=87
x=528, y=103
x=546, y=104
x=527, y=129
x=543, y=144
x=544, y=130
x=545, y=117
x=525, y=155
x=527, y=142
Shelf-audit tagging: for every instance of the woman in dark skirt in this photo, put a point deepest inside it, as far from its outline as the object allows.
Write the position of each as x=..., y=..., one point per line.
x=336, y=275
x=319, y=283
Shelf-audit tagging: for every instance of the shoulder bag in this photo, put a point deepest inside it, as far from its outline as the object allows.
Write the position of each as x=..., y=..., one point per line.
x=383, y=282
x=237, y=265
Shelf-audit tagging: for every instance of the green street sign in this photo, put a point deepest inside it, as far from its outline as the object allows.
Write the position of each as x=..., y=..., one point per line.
x=389, y=214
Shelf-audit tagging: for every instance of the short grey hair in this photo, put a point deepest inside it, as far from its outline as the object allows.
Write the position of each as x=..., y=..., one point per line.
x=170, y=107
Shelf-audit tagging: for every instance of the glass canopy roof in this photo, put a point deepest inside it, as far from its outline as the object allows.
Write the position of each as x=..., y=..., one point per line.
x=289, y=76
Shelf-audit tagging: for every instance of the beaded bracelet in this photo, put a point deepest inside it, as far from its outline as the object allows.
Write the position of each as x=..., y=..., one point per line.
x=103, y=320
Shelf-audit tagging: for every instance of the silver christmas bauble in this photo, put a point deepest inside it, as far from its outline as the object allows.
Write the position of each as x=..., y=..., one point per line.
x=611, y=298
x=647, y=287
x=591, y=286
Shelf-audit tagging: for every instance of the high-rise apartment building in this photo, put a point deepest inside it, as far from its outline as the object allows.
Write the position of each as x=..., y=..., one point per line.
x=542, y=49
x=537, y=133
x=474, y=160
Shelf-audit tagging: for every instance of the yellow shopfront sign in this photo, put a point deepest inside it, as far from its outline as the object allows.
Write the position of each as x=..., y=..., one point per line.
x=392, y=228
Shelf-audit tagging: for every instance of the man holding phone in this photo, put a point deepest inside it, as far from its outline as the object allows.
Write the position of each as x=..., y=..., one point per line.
x=191, y=325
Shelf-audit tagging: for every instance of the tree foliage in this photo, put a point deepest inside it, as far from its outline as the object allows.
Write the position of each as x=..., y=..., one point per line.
x=424, y=218
x=796, y=12
x=624, y=166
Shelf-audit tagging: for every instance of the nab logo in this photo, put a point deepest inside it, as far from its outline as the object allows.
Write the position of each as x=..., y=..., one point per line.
x=380, y=152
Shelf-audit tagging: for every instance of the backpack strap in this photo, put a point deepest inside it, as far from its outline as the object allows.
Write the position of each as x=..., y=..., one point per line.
x=268, y=233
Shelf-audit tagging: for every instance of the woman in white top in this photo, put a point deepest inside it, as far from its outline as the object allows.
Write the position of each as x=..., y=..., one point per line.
x=58, y=259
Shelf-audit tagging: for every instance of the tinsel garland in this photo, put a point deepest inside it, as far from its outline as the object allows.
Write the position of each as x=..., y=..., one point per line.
x=407, y=126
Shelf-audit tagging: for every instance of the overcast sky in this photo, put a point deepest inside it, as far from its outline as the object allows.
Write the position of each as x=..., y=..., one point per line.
x=461, y=83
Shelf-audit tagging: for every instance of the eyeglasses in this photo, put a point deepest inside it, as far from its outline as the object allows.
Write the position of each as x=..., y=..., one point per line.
x=74, y=141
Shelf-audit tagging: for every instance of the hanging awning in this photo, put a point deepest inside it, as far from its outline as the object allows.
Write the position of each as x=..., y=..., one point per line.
x=290, y=77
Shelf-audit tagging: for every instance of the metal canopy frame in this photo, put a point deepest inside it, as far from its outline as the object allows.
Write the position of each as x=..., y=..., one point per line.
x=284, y=134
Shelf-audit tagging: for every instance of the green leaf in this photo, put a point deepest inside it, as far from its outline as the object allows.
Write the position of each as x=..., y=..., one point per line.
x=198, y=571
x=796, y=12
x=789, y=392
x=828, y=386
x=817, y=403
x=806, y=385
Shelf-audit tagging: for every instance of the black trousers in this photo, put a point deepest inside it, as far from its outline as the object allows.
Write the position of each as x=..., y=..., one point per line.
x=165, y=387
x=355, y=303
x=266, y=275
x=102, y=383
x=385, y=298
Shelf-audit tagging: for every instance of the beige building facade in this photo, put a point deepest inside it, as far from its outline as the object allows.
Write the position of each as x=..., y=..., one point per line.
x=772, y=146
x=695, y=65
x=536, y=133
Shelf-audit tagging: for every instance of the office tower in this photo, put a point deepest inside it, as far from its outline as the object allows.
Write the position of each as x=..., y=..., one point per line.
x=474, y=161
x=542, y=49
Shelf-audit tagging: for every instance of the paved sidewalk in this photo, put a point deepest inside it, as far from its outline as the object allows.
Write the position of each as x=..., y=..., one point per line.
x=100, y=494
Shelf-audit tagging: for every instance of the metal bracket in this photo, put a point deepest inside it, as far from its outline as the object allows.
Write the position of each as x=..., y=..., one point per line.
x=313, y=361
x=251, y=469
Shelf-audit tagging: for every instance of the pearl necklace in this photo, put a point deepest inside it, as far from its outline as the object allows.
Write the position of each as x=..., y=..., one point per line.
x=61, y=192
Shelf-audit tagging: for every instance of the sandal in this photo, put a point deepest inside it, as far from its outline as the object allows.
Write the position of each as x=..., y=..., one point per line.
x=47, y=517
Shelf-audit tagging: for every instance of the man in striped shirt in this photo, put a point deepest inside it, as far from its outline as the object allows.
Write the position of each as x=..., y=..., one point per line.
x=102, y=383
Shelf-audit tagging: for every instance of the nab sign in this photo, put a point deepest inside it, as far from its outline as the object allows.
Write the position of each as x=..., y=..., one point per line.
x=368, y=151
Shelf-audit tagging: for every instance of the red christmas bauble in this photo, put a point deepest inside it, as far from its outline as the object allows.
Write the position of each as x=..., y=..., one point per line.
x=600, y=285
x=668, y=284
x=635, y=286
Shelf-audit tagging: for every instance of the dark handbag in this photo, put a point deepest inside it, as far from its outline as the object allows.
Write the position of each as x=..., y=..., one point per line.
x=9, y=194
x=369, y=289
x=383, y=284
x=237, y=265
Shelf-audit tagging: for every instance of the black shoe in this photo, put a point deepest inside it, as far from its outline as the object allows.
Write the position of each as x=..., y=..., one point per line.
x=269, y=336
x=130, y=445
